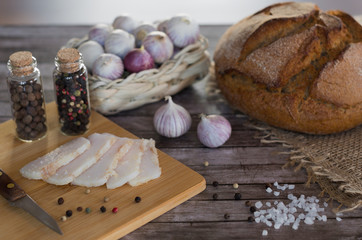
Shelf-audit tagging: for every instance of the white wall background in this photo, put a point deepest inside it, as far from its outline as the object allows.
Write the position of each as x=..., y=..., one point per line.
x=88, y=12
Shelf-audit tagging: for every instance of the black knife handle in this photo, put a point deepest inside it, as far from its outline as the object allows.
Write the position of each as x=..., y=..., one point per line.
x=9, y=189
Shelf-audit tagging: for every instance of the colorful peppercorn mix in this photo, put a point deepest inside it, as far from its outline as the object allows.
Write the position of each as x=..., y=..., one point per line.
x=60, y=201
x=137, y=199
x=103, y=209
x=69, y=213
x=215, y=196
x=71, y=86
x=115, y=210
x=237, y=196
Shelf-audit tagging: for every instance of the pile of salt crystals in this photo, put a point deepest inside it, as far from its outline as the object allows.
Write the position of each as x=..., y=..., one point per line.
x=282, y=214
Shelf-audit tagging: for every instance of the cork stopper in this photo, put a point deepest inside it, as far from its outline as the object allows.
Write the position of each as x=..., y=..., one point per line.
x=21, y=63
x=68, y=59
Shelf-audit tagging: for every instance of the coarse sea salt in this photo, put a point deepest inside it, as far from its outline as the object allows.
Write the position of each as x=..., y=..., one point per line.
x=265, y=232
x=287, y=213
x=258, y=204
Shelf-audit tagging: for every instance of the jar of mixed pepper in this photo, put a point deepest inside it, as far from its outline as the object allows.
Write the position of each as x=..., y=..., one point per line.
x=71, y=88
x=26, y=96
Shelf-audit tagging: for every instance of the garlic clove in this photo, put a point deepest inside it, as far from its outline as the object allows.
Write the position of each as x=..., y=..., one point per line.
x=213, y=130
x=171, y=120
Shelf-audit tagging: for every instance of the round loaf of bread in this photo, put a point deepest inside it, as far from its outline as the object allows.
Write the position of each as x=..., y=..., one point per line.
x=294, y=67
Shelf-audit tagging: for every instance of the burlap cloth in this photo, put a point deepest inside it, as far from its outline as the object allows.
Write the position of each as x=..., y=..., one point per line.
x=333, y=161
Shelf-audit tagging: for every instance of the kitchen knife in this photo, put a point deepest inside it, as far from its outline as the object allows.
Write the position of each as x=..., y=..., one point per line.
x=17, y=197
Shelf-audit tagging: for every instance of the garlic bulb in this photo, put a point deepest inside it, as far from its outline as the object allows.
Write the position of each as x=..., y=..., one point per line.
x=172, y=120
x=213, y=130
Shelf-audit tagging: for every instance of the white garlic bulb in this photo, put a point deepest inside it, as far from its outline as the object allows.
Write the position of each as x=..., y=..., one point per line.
x=213, y=130
x=172, y=120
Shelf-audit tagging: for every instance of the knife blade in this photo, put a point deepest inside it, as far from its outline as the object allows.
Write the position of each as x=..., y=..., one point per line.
x=17, y=197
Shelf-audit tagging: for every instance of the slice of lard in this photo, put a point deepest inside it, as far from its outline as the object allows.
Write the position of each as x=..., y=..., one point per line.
x=100, y=144
x=149, y=168
x=129, y=166
x=47, y=165
x=99, y=173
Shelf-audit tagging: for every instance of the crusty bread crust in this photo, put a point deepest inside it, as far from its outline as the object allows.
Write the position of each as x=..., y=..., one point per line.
x=294, y=67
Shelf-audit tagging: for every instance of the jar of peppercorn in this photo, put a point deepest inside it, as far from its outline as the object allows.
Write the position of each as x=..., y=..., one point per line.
x=71, y=88
x=26, y=96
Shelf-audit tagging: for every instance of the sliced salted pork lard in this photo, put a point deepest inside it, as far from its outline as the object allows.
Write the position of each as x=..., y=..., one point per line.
x=47, y=165
x=129, y=166
x=100, y=144
x=149, y=168
x=99, y=173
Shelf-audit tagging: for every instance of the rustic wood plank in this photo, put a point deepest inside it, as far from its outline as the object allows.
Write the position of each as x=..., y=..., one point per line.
x=141, y=123
x=346, y=229
x=255, y=191
x=228, y=156
x=250, y=174
x=214, y=211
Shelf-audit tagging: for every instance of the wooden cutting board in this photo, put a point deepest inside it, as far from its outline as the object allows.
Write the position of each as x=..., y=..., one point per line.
x=176, y=184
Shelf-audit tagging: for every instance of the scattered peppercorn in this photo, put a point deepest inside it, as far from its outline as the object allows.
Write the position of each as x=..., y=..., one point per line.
x=87, y=191
x=268, y=185
x=226, y=216
x=106, y=199
x=215, y=196
x=206, y=163
x=248, y=203
x=69, y=213
x=137, y=199
x=215, y=183
x=87, y=210
x=235, y=185
x=250, y=219
x=60, y=201
x=115, y=210
x=252, y=209
x=237, y=196
x=103, y=209
x=79, y=209
x=63, y=218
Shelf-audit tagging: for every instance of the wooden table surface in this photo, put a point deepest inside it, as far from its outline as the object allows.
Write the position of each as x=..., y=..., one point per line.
x=243, y=159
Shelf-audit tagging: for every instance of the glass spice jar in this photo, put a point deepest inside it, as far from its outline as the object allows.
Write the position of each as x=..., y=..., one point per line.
x=71, y=88
x=26, y=96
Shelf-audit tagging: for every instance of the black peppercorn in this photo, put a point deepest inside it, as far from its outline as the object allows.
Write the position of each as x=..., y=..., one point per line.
x=237, y=196
x=215, y=196
x=248, y=203
x=103, y=209
x=226, y=216
x=137, y=199
x=252, y=209
x=250, y=219
x=268, y=185
x=69, y=213
x=215, y=183
x=79, y=209
x=60, y=201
